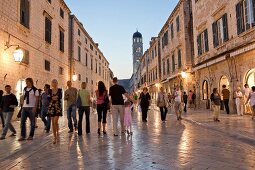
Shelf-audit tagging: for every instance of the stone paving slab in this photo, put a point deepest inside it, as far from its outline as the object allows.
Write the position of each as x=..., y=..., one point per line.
x=154, y=145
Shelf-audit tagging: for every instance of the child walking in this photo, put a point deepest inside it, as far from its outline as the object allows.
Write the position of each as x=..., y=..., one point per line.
x=128, y=118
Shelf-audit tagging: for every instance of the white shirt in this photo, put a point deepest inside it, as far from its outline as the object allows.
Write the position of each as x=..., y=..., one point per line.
x=239, y=96
x=178, y=96
x=252, y=98
x=32, y=98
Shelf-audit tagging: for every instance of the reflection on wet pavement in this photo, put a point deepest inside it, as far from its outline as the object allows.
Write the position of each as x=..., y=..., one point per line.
x=154, y=145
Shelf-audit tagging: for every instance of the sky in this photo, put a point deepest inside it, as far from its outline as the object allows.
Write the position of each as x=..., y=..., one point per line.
x=111, y=23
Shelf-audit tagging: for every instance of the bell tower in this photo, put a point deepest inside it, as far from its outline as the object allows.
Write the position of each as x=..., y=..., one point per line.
x=137, y=50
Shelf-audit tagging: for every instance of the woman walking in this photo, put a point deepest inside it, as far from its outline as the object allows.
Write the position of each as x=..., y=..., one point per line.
x=144, y=101
x=252, y=101
x=102, y=102
x=55, y=109
x=215, y=98
x=239, y=101
x=162, y=104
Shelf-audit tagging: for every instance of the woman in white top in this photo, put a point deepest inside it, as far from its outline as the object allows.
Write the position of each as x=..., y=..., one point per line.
x=252, y=101
x=177, y=103
x=247, y=90
x=239, y=101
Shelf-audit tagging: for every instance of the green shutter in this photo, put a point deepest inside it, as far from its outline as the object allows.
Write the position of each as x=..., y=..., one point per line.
x=206, y=40
x=225, y=27
x=215, y=34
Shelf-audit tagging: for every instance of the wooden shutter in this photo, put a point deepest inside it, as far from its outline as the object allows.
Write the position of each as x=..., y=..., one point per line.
x=199, y=50
x=206, y=40
x=179, y=59
x=225, y=27
x=215, y=34
x=27, y=13
x=48, y=26
x=246, y=14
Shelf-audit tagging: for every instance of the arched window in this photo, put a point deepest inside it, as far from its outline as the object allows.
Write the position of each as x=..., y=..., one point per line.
x=205, y=90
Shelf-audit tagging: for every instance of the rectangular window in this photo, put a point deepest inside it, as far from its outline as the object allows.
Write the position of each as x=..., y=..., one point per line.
x=178, y=24
x=91, y=47
x=24, y=12
x=179, y=59
x=245, y=15
x=165, y=39
x=61, y=13
x=48, y=27
x=99, y=69
x=79, y=32
x=164, y=68
x=79, y=77
x=96, y=66
x=91, y=63
x=86, y=40
x=202, y=43
x=87, y=80
x=61, y=71
x=173, y=63
x=168, y=66
x=220, y=31
x=61, y=41
x=47, y=65
x=79, y=53
x=172, y=30
x=86, y=60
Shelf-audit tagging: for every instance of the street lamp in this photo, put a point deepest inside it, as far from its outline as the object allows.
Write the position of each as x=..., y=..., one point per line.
x=18, y=55
x=74, y=77
x=184, y=74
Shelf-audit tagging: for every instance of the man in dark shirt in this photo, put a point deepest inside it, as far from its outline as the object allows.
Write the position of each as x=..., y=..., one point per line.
x=226, y=95
x=9, y=102
x=45, y=100
x=116, y=93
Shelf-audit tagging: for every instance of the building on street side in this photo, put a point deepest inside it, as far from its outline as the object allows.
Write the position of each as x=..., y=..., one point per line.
x=224, y=46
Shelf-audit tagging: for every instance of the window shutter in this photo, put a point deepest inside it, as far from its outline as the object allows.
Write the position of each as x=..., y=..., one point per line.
x=206, y=40
x=27, y=13
x=247, y=14
x=199, y=52
x=225, y=27
x=239, y=18
x=179, y=59
x=215, y=34
x=48, y=30
x=253, y=7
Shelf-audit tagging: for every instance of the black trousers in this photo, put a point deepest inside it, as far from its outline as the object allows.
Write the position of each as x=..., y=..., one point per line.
x=2, y=118
x=163, y=111
x=185, y=106
x=226, y=104
x=101, y=112
x=83, y=109
x=144, y=112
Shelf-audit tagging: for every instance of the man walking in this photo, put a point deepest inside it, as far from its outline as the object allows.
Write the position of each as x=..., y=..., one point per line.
x=9, y=102
x=31, y=98
x=71, y=97
x=45, y=100
x=84, y=97
x=116, y=93
x=162, y=104
x=226, y=94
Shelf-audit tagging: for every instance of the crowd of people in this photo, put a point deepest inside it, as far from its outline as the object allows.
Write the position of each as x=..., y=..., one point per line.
x=47, y=103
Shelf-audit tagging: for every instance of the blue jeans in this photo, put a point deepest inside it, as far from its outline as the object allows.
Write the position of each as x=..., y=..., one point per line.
x=83, y=109
x=71, y=117
x=44, y=111
x=27, y=113
x=8, y=124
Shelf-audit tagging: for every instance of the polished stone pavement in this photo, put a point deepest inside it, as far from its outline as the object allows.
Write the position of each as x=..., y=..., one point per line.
x=194, y=143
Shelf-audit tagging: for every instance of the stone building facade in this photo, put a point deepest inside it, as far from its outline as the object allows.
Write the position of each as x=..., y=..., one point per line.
x=41, y=29
x=87, y=61
x=224, y=46
x=35, y=27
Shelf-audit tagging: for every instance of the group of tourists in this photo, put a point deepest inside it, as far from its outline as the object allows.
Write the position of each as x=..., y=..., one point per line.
x=244, y=100
x=48, y=105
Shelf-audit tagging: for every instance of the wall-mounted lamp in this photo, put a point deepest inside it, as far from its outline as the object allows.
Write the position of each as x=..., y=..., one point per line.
x=18, y=54
x=74, y=77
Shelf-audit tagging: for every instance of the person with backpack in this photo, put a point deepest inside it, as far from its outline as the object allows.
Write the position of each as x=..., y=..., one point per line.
x=45, y=100
x=145, y=101
x=71, y=98
x=162, y=104
x=1, y=113
x=8, y=103
x=102, y=104
x=216, y=101
x=31, y=98
x=83, y=104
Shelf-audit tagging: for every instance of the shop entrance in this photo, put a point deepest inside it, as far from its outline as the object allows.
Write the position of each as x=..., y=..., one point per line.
x=250, y=78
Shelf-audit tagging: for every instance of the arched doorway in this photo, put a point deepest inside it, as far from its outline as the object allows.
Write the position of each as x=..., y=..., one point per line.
x=21, y=84
x=250, y=78
x=224, y=81
x=205, y=90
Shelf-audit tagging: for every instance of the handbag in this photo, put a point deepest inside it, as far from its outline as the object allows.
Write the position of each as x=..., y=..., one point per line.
x=107, y=102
